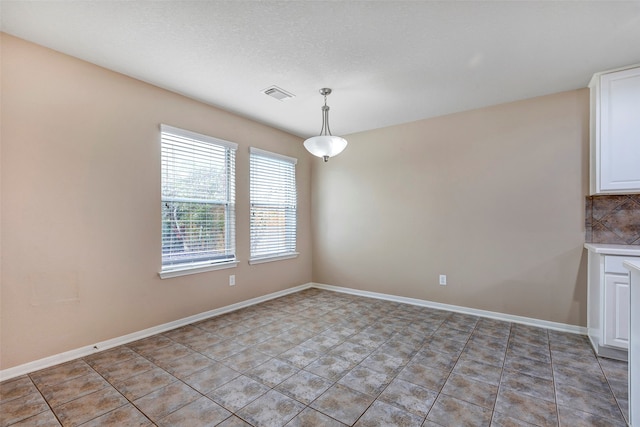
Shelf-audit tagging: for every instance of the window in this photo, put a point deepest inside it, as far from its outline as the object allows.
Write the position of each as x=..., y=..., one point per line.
x=273, y=206
x=198, y=202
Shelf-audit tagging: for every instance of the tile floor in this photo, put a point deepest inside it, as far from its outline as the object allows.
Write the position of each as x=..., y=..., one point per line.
x=320, y=358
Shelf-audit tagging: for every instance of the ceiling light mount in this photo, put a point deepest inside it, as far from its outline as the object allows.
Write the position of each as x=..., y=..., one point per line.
x=325, y=145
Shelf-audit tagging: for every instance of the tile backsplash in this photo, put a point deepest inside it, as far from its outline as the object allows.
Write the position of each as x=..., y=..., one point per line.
x=613, y=219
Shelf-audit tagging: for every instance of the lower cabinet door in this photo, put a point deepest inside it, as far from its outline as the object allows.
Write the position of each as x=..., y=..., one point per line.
x=616, y=310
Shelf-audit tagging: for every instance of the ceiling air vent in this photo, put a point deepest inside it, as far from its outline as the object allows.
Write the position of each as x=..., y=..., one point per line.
x=278, y=93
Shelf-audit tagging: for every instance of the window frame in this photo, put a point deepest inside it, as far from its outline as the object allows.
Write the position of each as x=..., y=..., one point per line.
x=192, y=265
x=291, y=248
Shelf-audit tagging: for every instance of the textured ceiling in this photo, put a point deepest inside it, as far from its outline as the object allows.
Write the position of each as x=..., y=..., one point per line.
x=388, y=62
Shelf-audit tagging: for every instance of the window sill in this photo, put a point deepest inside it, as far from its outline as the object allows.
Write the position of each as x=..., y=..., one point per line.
x=183, y=271
x=262, y=260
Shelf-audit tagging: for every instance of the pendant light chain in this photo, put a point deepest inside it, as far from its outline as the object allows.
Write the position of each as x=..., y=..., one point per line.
x=325, y=118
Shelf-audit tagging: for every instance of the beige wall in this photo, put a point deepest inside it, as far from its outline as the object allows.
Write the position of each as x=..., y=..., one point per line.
x=81, y=206
x=493, y=198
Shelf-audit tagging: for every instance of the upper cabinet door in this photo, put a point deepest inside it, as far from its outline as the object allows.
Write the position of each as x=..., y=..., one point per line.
x=615, y=132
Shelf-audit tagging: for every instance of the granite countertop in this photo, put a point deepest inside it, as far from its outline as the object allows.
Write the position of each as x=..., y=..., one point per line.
x=607, y=249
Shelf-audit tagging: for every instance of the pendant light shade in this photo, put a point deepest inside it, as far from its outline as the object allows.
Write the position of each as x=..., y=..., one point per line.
x=325, y=145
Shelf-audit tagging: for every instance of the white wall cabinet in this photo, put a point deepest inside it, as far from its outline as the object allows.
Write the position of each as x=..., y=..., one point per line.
x=615, y=132
x=608, y=298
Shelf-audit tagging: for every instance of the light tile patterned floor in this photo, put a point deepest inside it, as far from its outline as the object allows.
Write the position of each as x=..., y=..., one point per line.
x=320, y=358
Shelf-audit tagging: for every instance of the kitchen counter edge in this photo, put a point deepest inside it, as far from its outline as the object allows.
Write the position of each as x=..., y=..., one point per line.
x=608, y=249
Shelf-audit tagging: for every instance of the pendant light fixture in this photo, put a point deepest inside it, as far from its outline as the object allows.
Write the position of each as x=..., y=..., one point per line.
x=325, y=145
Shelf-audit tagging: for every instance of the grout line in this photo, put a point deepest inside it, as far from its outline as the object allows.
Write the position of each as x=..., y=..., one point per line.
x=553, y=379
x=612, y=392
x=45, y=400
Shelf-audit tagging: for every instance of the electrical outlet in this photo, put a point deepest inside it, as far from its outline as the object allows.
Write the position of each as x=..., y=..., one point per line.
x=443, y=279
x=232, y=280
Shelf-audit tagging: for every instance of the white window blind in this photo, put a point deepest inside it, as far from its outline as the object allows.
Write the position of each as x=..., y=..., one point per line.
x=198, y=199
x=273, y=205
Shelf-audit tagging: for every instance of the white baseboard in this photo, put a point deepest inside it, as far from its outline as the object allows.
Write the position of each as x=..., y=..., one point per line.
x=125, y=339
x=608, y=352
x=459, y=309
